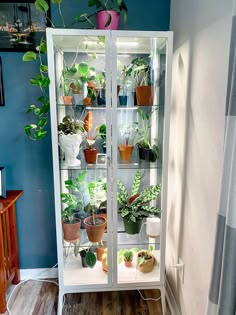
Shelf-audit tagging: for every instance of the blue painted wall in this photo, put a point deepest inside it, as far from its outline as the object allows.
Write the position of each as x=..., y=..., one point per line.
x=29, y=163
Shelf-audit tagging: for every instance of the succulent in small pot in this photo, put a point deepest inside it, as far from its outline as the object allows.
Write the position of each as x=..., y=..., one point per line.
x=137, y=206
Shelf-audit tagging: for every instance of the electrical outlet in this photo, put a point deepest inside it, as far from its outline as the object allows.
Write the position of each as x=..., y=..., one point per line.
x=181, y=269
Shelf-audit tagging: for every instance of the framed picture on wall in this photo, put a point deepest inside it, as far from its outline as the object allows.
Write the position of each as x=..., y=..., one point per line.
x=2, y=182
x=21, y=25
x=2, y=102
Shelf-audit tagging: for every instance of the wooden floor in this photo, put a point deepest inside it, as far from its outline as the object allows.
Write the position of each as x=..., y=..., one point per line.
x=40, y=298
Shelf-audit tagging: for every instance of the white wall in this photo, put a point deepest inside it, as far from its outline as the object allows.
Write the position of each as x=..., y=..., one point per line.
x=201, y=48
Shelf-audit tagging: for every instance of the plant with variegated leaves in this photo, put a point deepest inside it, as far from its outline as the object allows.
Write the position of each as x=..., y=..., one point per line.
x=137, y=206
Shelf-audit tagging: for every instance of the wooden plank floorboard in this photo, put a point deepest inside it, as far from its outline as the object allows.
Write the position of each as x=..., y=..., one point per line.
x=40, y=298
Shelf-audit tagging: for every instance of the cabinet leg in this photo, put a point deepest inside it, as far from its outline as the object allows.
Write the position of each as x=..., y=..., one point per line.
x=60, y=303
x=163, y=300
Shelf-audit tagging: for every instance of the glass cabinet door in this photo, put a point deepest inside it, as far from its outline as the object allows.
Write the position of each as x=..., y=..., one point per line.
x=82, y=120
x=138, y=121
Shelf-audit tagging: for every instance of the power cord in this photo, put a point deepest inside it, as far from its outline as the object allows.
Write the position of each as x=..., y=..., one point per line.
x=22, y=282
x=148, y=299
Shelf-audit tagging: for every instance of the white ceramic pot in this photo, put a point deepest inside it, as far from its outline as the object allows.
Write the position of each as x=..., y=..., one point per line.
x=70, y=145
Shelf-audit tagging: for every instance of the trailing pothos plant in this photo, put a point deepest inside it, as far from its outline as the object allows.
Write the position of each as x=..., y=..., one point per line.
x=136, y=206
x=37, y=130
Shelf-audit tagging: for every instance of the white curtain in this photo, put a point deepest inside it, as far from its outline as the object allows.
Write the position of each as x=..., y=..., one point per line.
x=222, y=293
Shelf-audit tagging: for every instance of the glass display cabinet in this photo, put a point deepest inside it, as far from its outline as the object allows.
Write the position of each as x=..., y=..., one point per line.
x=110, y=108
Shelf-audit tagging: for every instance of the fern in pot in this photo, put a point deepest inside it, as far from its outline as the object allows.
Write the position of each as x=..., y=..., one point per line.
x=136, y=206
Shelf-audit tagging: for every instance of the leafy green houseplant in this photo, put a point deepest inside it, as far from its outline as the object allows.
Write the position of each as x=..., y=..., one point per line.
x=139, y=70
x=95, y=224
x=111, y=10
x=71, y=224
x=134, y=207
x=148, y=151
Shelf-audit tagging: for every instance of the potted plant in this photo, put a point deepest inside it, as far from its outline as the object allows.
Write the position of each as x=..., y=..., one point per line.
x=88, y=258
x=145, y=261
x=65, y=81
x=102, y=129
x=140, y=71
x=70, y=223
x=147, y=151
x=100, y=249
x=83, y=78
x=95, y=224
x=126, y=149
x=108, y=13
x=70, y=139
x=135, y=207
x=122, y=87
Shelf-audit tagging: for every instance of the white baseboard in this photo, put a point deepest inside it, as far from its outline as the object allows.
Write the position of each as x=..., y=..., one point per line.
x=38, y=273
x=171, y=301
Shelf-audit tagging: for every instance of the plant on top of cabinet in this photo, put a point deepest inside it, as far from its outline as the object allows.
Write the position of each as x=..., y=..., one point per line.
x=108, y=13
x=135, y=207
x=139, y=70
x=126, y=149
x=147, y=151
x=95, y=224
x=71, y=224
x=70, y=139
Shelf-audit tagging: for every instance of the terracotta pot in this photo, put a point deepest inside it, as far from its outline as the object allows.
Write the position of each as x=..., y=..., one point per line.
x=90, y=155
x=125, y=152
x=144, y=95
x=95, y=231
x=128, y=263
x=71, y=231
x=104, y=261
x=100, y=250
x=102, y=18
x=148, y=264
x=67, y=99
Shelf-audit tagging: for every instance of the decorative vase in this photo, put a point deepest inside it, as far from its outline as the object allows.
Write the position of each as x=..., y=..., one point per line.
x=70, y=145
x=144, y=95
x=95, y=231
x=125, y=152
x=90, y=155
x=132, y=227
x=71, y=231
x=103, y=16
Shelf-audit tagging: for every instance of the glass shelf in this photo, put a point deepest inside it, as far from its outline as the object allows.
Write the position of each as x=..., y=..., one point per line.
x=135, y=165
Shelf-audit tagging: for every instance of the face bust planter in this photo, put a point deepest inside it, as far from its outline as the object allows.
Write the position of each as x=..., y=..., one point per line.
x=70, y=145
